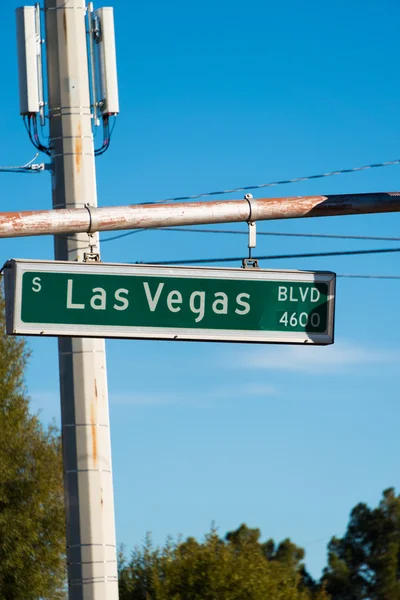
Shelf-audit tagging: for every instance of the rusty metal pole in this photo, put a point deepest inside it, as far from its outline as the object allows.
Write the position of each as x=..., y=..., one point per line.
x=146, y=216
x=91, y=547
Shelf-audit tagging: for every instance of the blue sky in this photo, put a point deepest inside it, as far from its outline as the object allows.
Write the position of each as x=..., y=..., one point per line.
x=216, y=95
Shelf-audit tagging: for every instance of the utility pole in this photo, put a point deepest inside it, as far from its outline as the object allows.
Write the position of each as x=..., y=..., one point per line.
x=91, y=545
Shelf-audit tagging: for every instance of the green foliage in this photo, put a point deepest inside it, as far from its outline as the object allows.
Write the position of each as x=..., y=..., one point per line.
x=235, y=569
x=365, y=563
x=285, y=553
x=32, y=541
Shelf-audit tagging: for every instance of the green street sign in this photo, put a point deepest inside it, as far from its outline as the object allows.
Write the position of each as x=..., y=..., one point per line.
x=172, y=303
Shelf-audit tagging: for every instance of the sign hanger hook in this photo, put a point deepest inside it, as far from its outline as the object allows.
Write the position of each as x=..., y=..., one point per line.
x=250, y=262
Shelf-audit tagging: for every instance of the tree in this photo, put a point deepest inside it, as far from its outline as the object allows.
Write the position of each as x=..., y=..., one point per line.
x=365, y=563
x=235, y=569
x=32, y=540
x=285, y=553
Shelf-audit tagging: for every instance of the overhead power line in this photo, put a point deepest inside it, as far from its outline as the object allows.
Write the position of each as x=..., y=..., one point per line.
x=121, y=235
x=282, y=182
x=29, y=167
x=286, y=234
x=267, y=233
x=362, y=276
x=197, y=261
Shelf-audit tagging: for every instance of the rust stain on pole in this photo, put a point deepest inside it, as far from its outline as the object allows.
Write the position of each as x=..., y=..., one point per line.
x=93, y=414
x=78, y=148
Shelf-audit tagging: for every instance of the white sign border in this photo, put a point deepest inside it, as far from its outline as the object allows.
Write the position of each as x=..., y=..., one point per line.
x=15, y=269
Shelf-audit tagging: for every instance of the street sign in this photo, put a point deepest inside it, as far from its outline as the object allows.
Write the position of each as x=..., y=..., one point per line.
x=171, y=303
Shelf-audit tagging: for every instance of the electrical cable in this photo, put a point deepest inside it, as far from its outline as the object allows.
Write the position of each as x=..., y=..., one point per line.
x=34, y=136
x=113, y=126
x=362, y=276
x=28, y=167
x=31, y=127
x=19, y=170
x=342, y=275
x=287, y=234
x=273, y=257
x=107, y=134
x=106, y=143
x=122, y=235
x=282, y=182
x=267, y=233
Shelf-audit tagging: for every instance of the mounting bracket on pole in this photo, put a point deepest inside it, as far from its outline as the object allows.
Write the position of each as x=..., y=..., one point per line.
x=93, y=218
x=93, y=222
x=251, y=262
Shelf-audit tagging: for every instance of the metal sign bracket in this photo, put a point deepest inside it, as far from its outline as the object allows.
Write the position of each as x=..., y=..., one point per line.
x=251, y=262
x=91, y=256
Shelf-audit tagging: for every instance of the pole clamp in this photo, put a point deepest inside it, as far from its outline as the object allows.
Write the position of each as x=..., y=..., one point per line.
x=251, y=262
x=93, y=227
x=93, y=218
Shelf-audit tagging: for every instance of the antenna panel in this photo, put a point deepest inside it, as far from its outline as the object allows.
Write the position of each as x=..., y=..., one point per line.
x=28, y=49
x=107, y=62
